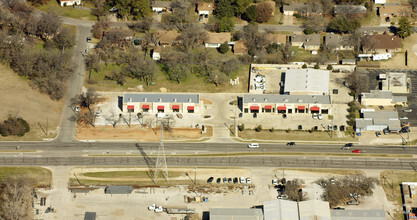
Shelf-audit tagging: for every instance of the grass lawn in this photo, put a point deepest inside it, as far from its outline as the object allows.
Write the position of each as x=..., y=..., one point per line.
x=371, y=20
x=43, y=176
x=293, y=135
x=69, y=11
x=163, y=81
x=277, y=18
x=302, y=55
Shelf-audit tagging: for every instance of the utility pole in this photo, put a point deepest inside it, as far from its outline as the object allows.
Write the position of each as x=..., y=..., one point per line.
x=161, y=162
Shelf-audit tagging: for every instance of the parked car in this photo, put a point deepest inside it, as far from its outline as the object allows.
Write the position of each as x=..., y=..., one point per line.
x=88, y=39
x=87, y=50
x=329, y=127
x=353, y=202
x=284, y=116
x=255, y=115
x=210, y=180
x=378, y=134
x=291, y=143
x=77, y=108
x=224, y=180
x=218, y=180
x=248, y=180
x=274, y=182
x=405, y=130
x=253, y=145
x=235, y=180
x=357, y=151
x=320, y=117
x=335, y=127
x=229, y=180
x=385, y=131
x=342, y=128
x=314, y=115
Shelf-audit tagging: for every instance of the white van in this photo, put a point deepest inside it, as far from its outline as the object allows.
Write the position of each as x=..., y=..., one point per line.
x=253, y=145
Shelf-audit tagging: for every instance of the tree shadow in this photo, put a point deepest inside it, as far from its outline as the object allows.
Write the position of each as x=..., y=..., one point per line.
x=393, y=29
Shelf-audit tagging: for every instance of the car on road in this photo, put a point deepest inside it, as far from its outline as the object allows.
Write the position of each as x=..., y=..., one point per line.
x=347, y=146
x=218, y=180
x=291, y=143
x=210, y=180
x=248, y=181
x=357, y=151
x=253, y=145
x=88, y=39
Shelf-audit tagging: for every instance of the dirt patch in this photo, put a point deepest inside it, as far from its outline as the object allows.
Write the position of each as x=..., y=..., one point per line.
x=206, y=101
x=139, y=133
x=18, y=98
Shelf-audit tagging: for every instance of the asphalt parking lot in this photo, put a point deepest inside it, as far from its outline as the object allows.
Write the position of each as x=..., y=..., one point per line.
x=412, y=96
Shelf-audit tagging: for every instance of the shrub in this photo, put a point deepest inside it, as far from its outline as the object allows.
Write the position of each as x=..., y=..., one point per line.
x=14, y=126
x=224, y=48
x=329, y=67
x=272, y=129
x=242, y=127
x=316, y=67
x=258, y=128
x=308, y=31
x=304, y=66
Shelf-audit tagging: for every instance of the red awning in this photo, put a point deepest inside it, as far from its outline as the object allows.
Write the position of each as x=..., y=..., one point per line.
x=315, y=108
x=254, y=107
x=176, y=107
x=130, y=107
x=161, y=107
x=301, y=107
x=190, y=108
x=145, y=106
x=268, y=106
x=282, y=108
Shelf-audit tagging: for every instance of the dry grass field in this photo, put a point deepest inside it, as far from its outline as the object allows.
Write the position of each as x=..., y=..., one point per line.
x=18, y=98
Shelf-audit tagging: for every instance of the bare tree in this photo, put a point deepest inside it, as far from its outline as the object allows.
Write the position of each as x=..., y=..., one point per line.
x=144, y=25
x=112, y=119
x=294, y=190
x=86, y=99
x=15, y=200
x=191, y=36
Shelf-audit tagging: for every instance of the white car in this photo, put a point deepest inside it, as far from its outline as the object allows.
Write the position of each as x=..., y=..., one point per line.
x=253, y=145
x=152, y=207
x=274, y=182
x=159, y=209
x=248, y=180
x=314, y=115
x=320, y=117
x=242, y=179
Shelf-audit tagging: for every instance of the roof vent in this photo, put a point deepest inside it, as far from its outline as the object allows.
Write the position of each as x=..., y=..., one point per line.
x=145, y=99
x=253, y=99
x=299, y=100
x=265, y=99
x=285, y=100
x=314, y=97
x=130, y=99
x=175, y=99
x=189, y=99
x=159, y=100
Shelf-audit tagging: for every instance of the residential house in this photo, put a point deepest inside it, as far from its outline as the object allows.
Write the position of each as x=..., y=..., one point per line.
x=307, y=42
x=64, y=3
x=277, y=38
x=205, y=8
x=302, y=9
x=395, y=11
x=239, y=48
x=214, y=40
x=338, y=42
x=382, y=43
x=161, y=103
x=167, y=38
x=161, y=6
x=351, y=10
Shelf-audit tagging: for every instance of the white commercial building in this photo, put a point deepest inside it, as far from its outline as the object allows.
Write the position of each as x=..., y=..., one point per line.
x=306, y=82
x=378, y=121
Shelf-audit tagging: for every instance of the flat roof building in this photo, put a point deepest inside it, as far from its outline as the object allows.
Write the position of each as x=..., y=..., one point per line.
x=306, y=82
x=380, y=97
x=271, y=103
x=314, y=209
x=235, y=214
x=372, y=214
x=378, y=121
x=279, y=209
x=396, y=82
x=161, y=103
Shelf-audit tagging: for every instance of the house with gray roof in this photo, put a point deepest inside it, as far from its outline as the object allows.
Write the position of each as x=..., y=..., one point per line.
x=350, y=10
x=161, y=103
x=302, y=9
x=338, y=42
x=297, y=104
x=306, y=42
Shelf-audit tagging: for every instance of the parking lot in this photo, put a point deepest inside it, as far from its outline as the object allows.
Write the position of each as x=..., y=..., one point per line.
x=411, y=109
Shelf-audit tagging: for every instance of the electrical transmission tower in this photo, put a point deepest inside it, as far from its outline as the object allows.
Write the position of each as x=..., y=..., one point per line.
x=161, y=161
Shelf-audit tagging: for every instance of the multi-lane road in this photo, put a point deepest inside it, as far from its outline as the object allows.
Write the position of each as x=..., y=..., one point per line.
x=196, y=154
